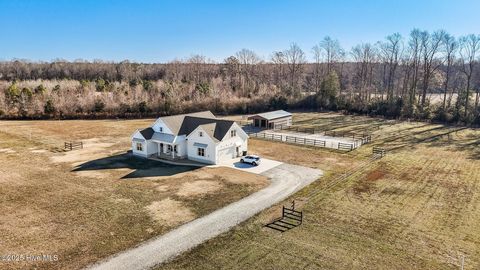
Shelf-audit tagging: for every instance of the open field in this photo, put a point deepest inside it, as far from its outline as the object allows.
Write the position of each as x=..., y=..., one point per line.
x=417, y=208
x=84, y=205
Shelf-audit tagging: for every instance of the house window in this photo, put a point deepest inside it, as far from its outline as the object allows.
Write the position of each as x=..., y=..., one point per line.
x=233, y=133
x=161, y=129
x=139, y=146
x=200, y=134
x=201, y=152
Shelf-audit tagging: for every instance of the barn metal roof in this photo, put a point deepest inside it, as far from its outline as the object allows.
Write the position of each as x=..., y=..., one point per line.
x=272, y=115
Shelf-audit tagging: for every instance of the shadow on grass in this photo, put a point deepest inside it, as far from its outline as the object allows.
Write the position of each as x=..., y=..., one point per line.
x=142, y=167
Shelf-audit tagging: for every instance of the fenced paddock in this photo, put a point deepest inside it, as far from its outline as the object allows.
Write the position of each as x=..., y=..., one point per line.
x=315, y=140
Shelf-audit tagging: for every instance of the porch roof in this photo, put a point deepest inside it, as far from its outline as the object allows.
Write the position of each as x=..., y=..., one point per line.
x=162, y=137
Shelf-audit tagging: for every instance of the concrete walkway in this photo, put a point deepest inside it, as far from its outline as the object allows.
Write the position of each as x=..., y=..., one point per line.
x=285, y=180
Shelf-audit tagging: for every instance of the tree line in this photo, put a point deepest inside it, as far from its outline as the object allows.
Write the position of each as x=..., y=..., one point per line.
x=425, y=75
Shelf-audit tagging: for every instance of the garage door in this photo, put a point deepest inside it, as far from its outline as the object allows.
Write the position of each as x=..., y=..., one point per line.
x=227, y=153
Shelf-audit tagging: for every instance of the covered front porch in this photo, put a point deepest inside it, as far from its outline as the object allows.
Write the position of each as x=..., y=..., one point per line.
x=167, y=151
x=168, y=147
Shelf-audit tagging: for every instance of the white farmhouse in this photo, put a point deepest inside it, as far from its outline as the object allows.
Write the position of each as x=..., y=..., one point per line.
x=196, y=136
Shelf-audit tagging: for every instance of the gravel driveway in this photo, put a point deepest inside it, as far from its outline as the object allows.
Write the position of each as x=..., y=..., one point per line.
x=285, y=180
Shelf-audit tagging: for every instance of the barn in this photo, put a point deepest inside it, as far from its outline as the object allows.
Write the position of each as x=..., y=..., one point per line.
x=271, y=119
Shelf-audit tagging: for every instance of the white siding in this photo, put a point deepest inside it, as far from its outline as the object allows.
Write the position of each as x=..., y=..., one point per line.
x=160, y=124
x=148, y=147
x=192, y=151
x=226, y=149
x=139, y=139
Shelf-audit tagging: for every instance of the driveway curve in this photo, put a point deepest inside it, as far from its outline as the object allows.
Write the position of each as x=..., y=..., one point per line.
x=285, y=180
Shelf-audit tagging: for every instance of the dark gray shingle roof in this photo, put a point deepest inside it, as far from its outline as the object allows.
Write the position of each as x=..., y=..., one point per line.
x=147, y=133
x=219, y=129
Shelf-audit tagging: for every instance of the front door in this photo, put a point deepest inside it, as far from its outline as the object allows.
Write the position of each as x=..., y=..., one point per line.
x=237, y=150
x=161, y=148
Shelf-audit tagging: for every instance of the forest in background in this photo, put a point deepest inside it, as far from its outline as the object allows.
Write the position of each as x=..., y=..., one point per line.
x=425, y=76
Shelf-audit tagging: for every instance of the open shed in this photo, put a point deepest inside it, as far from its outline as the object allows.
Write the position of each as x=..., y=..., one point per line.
x=271, y=119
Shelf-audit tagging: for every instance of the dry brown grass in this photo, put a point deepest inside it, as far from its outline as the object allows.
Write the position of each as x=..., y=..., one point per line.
x=85, y=215
x=417, y=208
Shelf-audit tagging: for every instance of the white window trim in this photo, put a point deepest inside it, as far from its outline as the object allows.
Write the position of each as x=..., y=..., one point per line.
x=202, y=150
x=139, y=146
x=200, y=134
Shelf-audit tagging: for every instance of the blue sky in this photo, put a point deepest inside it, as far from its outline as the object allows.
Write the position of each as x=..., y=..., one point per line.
x=162, y=30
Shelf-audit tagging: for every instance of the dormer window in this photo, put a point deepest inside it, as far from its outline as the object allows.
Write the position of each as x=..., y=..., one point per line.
x=233, y=133
x=200, y=134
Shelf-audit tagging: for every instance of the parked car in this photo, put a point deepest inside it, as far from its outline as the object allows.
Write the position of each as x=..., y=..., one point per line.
x=251, y=159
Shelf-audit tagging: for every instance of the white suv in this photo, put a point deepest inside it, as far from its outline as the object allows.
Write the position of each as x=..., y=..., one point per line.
x=252, y=159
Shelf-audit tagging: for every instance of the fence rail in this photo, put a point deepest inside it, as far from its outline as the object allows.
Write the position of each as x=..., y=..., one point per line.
x=290, y=219
x=73, y=145
x=378, y=151
x=306, y=141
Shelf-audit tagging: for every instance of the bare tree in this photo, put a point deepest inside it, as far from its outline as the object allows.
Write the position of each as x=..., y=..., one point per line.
x=332, y=51
x=278, y=60
x=415, y=50
x=450, y=46
x=390, y=50
x=317, y=67
x=248, y=59
x=470, y=46
x=295, y=59
x=364, y=57
x=430, y=48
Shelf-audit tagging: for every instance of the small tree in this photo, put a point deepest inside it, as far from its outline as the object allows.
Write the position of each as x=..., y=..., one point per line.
x=49, y=108
x=40, y=89
x=147, y=85
x=202, y=88
x=142, y=107
x=328, y=91
x=98, y=106
x=12, y=93
x=100, y=85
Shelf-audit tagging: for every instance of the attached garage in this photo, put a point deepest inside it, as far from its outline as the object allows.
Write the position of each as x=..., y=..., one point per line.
x=226, y=153
x=270, y=120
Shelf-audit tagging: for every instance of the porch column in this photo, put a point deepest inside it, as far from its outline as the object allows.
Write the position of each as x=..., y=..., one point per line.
x=173, y=151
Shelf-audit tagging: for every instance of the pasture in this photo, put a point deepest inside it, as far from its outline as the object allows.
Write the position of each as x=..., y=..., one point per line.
x=86, y=204
x=416, y=208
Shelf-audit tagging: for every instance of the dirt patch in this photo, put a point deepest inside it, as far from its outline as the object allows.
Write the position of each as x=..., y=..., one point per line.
x=162, y=188
x=93, y=174
x=123, y=200
x=199, y=187
x=230, y=175
x=92, y=149
x=375, y=175
x=170, y=212
x=39, y=151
